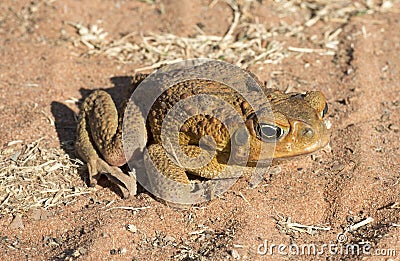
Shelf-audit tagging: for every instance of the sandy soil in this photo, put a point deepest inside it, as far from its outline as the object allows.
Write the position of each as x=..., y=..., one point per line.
x=45, y=65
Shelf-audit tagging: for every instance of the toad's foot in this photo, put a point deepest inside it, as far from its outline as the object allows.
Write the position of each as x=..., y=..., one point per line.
x=126, y=183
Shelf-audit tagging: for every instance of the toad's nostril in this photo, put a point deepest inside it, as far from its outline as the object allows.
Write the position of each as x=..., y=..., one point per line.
x=307, y=132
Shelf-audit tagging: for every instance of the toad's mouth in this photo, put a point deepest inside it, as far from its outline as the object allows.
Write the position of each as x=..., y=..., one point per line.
x=282, y=151
x=290, y=150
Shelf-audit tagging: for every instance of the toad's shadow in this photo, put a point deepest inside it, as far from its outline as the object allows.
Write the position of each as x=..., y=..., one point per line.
x=66, y=121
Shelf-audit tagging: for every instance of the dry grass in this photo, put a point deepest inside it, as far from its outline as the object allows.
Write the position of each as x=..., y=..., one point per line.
x=34, y=177
x=245, y=43
x=157, y=50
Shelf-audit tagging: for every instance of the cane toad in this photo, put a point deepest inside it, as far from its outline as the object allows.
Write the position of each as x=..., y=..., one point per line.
x=298, y=128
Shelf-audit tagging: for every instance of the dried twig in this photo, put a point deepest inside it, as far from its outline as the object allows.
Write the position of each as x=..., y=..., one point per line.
x=287, y=225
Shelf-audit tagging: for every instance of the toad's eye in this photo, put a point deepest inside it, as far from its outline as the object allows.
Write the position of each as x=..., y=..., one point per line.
x=325, y=110
x=269, y=132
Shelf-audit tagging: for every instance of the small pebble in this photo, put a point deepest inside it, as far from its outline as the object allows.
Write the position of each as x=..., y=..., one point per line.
x=235, y=254
x=17, y=222
x=394, y=127
x=337, y=166
x=131, y=228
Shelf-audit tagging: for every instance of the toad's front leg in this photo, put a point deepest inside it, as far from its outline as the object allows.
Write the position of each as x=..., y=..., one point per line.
x=169, y=181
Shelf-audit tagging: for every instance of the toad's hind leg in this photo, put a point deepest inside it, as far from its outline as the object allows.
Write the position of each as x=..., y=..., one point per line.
x=99, y=124
x=105, y=127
